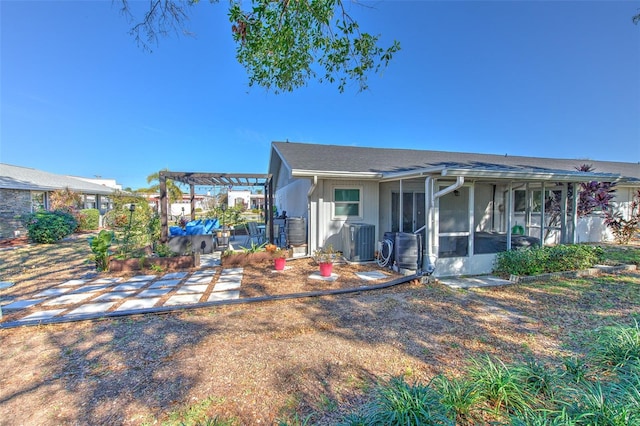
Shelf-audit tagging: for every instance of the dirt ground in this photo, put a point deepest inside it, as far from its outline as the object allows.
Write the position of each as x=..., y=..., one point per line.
x=272, y=360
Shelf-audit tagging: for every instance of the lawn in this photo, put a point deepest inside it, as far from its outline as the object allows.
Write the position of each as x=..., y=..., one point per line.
x=315, y=358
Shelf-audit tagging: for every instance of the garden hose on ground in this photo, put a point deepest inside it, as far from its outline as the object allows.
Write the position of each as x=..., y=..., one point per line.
x=381, y=259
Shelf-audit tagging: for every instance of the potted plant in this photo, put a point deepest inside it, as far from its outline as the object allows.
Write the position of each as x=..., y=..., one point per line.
x=324, y=257
x=279, y=256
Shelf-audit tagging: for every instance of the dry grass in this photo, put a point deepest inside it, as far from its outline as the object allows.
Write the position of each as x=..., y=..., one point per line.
x=261, y=362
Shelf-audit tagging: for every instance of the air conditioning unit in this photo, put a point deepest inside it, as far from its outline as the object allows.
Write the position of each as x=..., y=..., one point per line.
x=359, y=242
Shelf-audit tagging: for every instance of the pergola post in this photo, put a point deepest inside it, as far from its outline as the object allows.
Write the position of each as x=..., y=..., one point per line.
x=269, y=213
x=164, y=229
x=193, y=201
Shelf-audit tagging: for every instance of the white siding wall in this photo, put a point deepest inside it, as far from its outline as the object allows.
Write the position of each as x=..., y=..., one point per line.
x=330, y=228
x=293, y=198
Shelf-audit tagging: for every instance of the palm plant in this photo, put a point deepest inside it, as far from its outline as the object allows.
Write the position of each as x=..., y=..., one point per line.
x=174, y=193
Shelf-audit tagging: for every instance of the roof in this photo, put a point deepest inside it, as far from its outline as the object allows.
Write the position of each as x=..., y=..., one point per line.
x=303, y=159
x=24, y=178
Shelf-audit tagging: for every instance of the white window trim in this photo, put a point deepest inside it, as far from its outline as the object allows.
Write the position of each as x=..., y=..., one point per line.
x=360, y=215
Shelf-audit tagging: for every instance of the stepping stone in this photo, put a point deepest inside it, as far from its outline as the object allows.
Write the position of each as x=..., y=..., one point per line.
x=22, y=304
x=184, y=299
x=42, y=315
x=130, y=286
x=89, y=288
x=72, y=283
x=174, y=275
x=137, y=304
x=200, y=288
x=371, y=275
x=69, y=299
x=204, y=279
x=52, y=292
x=140, y=278
x=316, y=276
x=107, y=280
x=154, y=292
x=90, y=308
x=114, y=295
x=5, y=284
x=165, y=283
x=231, y=271
x=224, y=286
x=204, y=272
x=224, y=295
x=209, y=262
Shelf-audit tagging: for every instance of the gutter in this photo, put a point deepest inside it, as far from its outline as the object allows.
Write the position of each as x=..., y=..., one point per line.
x=335, y=174
x=530, y=175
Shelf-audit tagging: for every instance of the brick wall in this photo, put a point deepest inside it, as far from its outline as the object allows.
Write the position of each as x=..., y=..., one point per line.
x=13, y=203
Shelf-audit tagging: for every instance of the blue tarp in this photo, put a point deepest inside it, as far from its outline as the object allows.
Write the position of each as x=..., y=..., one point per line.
x=196, y=227
x=176, y=230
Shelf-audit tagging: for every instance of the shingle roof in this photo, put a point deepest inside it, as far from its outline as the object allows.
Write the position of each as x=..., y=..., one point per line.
x=16, y=177
x=387, y=161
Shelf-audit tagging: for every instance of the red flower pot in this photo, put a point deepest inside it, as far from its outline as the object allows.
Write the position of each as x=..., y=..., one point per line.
x=279, y=263
x=326, y=269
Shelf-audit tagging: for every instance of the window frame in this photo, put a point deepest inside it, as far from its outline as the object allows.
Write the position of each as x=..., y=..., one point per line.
x=41, y=205
x=335, y=203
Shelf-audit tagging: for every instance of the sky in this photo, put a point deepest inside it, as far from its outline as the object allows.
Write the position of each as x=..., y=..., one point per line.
x=79, y=97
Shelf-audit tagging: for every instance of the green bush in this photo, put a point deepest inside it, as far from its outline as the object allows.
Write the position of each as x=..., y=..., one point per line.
x=88, y=219
x=46, y=227
x=539, y=260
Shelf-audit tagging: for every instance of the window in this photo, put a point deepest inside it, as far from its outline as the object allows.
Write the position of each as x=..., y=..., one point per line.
x=346, y=202
x=89, y=201
x=37, y=201
x=520, y=200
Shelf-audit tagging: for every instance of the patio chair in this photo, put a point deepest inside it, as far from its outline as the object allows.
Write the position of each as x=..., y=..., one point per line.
x=254, y=233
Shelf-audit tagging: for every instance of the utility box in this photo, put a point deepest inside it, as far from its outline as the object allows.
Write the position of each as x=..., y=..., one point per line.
x=359, y=242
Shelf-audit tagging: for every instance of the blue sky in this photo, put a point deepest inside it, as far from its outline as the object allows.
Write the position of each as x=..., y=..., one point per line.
x=533, y=78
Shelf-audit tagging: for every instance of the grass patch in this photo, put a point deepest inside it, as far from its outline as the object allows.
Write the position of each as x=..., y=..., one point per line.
x=602, y=389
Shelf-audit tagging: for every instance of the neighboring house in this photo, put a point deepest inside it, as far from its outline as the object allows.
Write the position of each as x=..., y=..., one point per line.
x=465, y=206
x=24, y=190
x=245, y=198
x=183, y=207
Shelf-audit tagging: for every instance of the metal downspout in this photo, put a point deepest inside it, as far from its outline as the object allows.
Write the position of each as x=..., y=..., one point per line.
x=312, y=218
x=431, y=245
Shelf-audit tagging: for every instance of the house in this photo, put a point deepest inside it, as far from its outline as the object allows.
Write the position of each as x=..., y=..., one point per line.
x=182, y=207
x=246, y=199
x=25, y=190
x=465, y=207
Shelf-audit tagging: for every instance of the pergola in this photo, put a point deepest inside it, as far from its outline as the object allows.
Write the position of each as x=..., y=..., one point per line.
x=194, y=179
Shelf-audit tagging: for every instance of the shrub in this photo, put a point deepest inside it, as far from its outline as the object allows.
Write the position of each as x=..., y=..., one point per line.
x=624, y=229
x=540, y=260
x=45, y=227
x=88, y=219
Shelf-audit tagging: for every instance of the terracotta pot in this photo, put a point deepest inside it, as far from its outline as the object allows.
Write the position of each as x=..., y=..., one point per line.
x=326, y=269
x=279, y=263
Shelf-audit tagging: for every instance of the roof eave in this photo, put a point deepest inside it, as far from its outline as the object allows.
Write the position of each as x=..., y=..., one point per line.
x=335, y=174
x=555, y=176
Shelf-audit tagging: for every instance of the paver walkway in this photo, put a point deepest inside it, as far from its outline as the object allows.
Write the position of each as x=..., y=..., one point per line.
x=92, y=298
